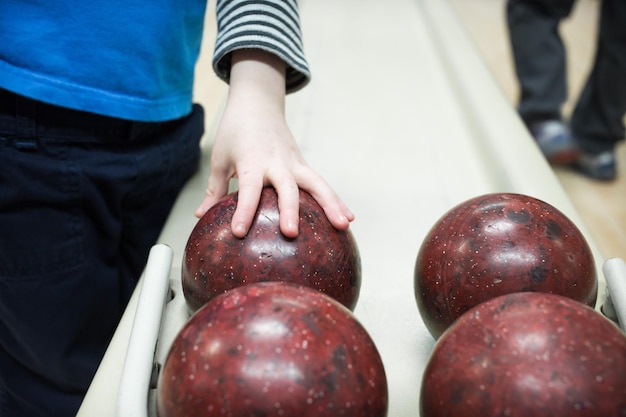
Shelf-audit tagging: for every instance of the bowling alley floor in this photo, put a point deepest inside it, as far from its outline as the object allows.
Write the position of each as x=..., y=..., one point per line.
x=602, y=206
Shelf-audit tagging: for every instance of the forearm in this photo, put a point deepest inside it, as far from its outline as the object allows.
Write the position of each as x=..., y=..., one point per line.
x=257, y=79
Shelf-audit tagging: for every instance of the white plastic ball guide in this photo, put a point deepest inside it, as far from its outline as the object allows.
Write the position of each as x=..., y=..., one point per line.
x=138, y=364
x=615, y=274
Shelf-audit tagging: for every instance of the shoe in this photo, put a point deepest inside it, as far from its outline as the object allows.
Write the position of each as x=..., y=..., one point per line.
x=602, y=166
x=555, y=141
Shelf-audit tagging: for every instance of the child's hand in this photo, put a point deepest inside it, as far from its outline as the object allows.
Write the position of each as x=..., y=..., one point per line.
x=254, y=144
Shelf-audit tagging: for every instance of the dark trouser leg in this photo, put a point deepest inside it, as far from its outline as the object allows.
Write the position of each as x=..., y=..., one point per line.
x=539, y=56
x=597, y=121
x=79, y=211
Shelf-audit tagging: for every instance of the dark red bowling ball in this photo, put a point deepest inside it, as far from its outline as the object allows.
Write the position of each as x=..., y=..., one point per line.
x=527, y=354
x=321, y=257
x=497, y=244
x=272, y=349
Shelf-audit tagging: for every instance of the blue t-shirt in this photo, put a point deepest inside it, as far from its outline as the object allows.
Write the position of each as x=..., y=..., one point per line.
x=131, y=59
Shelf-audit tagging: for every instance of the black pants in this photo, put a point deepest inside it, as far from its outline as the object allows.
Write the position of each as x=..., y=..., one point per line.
x=539, y=56
x=82, y=199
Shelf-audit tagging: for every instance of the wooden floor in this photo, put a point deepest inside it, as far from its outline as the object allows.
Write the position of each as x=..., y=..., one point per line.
x=601, y=205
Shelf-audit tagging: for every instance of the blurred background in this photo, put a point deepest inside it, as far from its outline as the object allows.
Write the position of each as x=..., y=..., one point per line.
x=601, y=205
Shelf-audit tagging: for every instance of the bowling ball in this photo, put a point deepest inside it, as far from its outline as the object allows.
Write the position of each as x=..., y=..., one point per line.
x=497, y=244
x=527, y=354
x=321, y=257
x=272, y=349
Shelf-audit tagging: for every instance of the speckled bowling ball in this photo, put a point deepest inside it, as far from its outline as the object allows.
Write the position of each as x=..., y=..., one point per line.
x=527, y=354
x=272, y=349
x=321, y=257
x=498, y=244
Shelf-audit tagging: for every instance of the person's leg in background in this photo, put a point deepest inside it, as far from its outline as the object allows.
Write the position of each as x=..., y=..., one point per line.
x=79, y=211
x=540, y=64
x=597, y=121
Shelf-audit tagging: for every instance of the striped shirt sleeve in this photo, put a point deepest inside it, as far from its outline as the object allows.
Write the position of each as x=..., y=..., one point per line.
x=271, y=25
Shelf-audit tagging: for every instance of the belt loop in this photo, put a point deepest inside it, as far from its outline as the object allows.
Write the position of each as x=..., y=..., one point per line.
x=142, y=130
x=133, y=130
x=25, y=124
